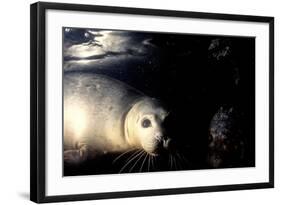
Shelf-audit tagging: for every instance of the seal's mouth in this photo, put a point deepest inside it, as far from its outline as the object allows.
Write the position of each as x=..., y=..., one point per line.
x=161, y=147
x=155, y=151
x=154, y=154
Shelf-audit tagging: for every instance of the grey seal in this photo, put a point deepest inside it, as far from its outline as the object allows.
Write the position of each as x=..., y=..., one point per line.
x=103, y=115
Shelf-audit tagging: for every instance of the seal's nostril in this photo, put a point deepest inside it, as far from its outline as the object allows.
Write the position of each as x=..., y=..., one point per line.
x=167, y=143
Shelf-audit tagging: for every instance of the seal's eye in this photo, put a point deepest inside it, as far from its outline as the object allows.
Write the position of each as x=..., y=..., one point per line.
x=146, y=123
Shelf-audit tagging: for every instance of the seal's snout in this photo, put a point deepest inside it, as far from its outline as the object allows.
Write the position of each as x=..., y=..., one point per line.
x=162, y=144
x=166, y=142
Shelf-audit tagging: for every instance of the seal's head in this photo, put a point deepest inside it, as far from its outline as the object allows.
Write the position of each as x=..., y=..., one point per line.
x=144, y=126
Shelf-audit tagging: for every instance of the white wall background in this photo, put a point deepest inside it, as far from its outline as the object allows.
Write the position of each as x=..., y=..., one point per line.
x=14, y=101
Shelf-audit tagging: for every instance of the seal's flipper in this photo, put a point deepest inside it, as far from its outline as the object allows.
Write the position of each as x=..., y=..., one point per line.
x=72, y=157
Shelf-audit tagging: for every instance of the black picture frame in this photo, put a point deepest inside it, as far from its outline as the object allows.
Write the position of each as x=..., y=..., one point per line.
x=38, y=101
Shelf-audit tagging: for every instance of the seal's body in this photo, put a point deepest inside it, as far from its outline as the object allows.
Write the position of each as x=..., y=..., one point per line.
x=103, y=115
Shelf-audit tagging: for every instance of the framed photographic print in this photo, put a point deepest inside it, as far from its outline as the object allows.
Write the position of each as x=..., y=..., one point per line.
x=129, y=102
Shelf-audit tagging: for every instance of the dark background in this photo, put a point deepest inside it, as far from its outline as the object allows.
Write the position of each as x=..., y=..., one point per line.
x=193, y=75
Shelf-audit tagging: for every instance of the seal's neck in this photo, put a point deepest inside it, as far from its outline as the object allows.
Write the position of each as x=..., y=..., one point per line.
x=130, y=124
x=128, y=129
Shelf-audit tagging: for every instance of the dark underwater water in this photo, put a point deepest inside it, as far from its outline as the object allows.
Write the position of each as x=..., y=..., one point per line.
x=194, y=76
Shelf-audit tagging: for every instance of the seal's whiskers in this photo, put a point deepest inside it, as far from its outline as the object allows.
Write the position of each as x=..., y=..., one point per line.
x=140, y=156
x=178, y=160
x=122, y=154
x=174, y=162
x=148, y=166
x=146, y=154
x=184, y=161
x=135, y=155
x=170, y=161
x=152, y=160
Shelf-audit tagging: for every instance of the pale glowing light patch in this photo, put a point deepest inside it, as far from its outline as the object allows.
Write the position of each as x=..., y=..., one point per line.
x=110, y=41
x=86, y=35
x=75, y=116
x=99, y=32
x=79, y=121
x=84, y=50
x=103, y=42
x=85, y=61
